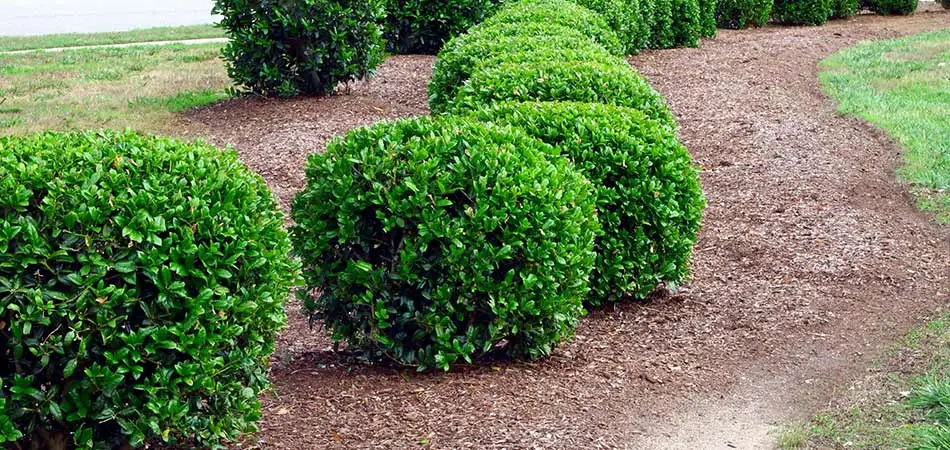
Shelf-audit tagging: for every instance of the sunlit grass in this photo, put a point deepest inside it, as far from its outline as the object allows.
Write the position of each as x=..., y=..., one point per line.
x=903, y=87
x=13, y=43
x=136, y=87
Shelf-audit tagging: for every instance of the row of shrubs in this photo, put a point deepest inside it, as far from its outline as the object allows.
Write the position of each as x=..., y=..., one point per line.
x=738, y=14
x=551, y=178
x=310, y=47
x=143, y=280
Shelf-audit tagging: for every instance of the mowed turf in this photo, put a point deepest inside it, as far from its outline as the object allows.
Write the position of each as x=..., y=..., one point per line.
x=903, y=87
x=139, y=87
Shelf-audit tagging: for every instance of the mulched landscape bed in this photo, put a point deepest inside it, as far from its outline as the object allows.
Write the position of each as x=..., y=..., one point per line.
x=811, y=259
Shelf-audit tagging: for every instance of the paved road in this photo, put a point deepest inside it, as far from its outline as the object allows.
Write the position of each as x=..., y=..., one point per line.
x=31, y=17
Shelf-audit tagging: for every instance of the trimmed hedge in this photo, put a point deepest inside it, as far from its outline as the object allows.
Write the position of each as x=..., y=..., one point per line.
x=623, y=17
x=423, y=26
x=893, y=7
x=142, y=283
x=707, y=18
x=546, y=13
x=8, y=431
x=801, y=12
x=286, y=48
x=739, y=14
x=842, y=9
x=661, y=24
x=687, y=23
x=616, y=84
x=454, y=67
x=435, y=241
x=649, y=199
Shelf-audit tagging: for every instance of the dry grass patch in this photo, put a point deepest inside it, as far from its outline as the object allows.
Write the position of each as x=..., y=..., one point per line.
x=142, y=88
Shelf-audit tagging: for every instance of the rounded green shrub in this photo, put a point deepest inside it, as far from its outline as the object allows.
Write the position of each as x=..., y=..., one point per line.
x=707, y=18
x=435, y=241
x=687, y=23
x=842, y=9
x=623, y=17
x=739, y=14
x=661, y=24
x=801, y=12
x=945, y=4
x=893, y=7
x=423, y=26
x=562, y=13
x=455, y=66
x=303, y=47
x=8, y=431
x=649, y=200
x=615, y=84
x=142, y=283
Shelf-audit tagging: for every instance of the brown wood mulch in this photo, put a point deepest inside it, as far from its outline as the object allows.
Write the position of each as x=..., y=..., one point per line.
x=811, y=259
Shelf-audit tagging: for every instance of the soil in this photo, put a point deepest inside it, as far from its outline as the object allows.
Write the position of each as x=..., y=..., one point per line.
x=812, y=258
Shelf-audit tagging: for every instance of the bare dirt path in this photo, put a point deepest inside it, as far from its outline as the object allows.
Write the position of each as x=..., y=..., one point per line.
x=810, y=261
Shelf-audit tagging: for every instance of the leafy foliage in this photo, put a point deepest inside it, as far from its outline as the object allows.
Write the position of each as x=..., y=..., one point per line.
x=8, y=431
x=687, y=23
x=738, y=14
x=464, y=55
x=562, y=13
x=894, y=7
x=423, y=26
x=623, y=17
x=434, y=241
x=614, y=83
x=802, y=12
x=649, y=200
x=142, y=283
x=842, y=9
x=281, y=48
x=661, y=23
x=707, y=18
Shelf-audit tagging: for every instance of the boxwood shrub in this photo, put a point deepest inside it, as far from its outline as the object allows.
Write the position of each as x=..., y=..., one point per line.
x=300, y=47
x=893, y=7
x=801, y=12
x=738, y=14
x=423, y=26
x=687, y=23
x=842, y=9
x=142, y=283
x=707, y=18
x=557, y=12
x=615, y=83
x=8, y=431
x=649, y=200
x=454, y=67
x=661, y=24
x=623, y=17
x=434, y=241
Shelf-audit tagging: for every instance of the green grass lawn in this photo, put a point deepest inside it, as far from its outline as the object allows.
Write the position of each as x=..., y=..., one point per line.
x=140, y=87
x=904, y=402
x=13, y=43
x=903, y=87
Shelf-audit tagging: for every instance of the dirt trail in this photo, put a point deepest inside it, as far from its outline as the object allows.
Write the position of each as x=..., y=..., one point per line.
x=810, y=261
x=804, y=198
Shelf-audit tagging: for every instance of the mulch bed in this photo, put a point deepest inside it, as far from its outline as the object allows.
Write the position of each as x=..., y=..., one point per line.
x=811, y=259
